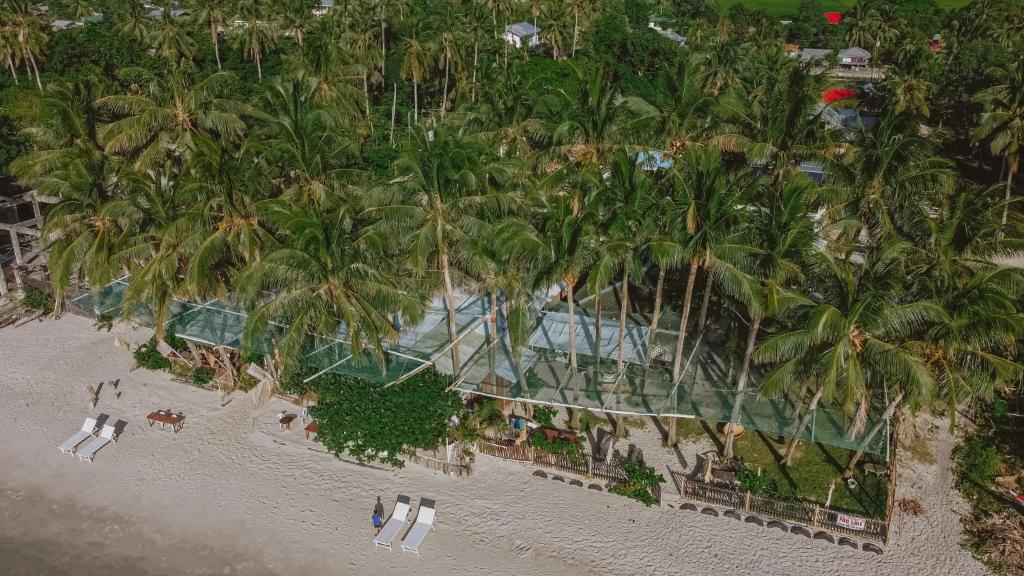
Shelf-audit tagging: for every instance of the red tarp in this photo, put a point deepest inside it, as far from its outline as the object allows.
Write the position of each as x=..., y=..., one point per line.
x=837, y=94
x=834, y=17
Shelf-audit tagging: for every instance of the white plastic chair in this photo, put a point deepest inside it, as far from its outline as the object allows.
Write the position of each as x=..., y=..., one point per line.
x=106, y=436
x=88, y=431
x=393, y=526
x=424, y=523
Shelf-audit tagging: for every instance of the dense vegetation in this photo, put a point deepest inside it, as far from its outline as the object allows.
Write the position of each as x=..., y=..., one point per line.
x=356, y=163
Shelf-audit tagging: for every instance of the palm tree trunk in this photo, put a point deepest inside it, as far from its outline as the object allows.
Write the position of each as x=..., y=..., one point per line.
x=383, y=48
x=492, y=337
x=741, y=386
x=32, y=59
x=476, y=49
x=14, y=72
x=574, y=417
x=394, y=104
x=623, y=310
x=444, y=98
x=415, y=103
x=216, y=44
x=874, y=432
x=449, y=300
x=366, y=94
x=804, y=423
x=597, y=328
x=860, y=418
x=704, y=304
x=677, y=361
x=656, y=317
x=1009, y=191
x=575, y=28
x=259, y=68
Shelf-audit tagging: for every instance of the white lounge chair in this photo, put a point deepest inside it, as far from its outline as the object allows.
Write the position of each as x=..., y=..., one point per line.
x=424, y=522
x=109, y=433
x=88, y=431
x=393, y=526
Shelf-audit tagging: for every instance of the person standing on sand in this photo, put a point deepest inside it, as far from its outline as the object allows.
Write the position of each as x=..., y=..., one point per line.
x=378, y=523
x=378, y=508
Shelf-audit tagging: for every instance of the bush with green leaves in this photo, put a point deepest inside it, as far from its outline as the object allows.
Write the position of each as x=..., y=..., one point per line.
x=557, y=446
x=545, y=416
x=246, y=382
x=202, y=375
x=371, y=422
x=147, y=356
x=37, y=300
x=977, y=465
x=640, y=483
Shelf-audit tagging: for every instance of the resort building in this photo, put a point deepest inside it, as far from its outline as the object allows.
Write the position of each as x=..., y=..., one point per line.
x=854, y=57
x=522, y=34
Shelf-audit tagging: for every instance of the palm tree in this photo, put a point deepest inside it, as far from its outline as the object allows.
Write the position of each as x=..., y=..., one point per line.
x=1002, y=123
x=705, y=206
x=447, y=54
x=295, y=16
x=159, y=123
x=858, y=336
x=257, y=33
x=578, y=6
x=171, y=40
x=383, y=10
x=25, y=26
x=8, y=46
x=687, y=118
x=413, y=67
x=333, y=276
x=442, y=190
x=556, y=28
x=362, y=40
x=132, y=19
x=211, y=15
x=779, y=237
x=475, y=22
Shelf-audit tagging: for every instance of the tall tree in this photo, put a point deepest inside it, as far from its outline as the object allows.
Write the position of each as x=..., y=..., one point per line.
x=26, y=29
x=1002, y=123
x=256, y=34
x=211, y=15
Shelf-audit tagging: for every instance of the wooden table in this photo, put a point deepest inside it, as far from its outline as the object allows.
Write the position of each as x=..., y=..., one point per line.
x=166, y=419
x=312, y=428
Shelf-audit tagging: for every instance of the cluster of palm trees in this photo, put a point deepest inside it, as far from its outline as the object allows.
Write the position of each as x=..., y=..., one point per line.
x=885, y=277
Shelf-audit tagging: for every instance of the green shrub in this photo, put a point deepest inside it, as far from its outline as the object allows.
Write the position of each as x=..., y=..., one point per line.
x=37, y=300
x=246, y=382
x=977, y=465
x=202, y=376
x=146, y=356
x=557, y=446
x=640, y=483
x=174, y=341
x=545, y=416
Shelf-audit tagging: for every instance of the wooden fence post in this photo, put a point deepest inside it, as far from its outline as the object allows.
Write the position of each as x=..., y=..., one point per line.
x=746, y=503
x=590, y=466
x=814, y=517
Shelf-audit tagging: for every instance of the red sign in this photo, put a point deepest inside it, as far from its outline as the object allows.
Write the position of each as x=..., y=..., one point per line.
x=834, y=17
x=851, y=522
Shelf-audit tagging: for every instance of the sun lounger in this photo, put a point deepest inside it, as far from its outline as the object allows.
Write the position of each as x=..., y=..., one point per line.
x=424, y=522
x=86, y=454
x=393, y=526
x=88, y=431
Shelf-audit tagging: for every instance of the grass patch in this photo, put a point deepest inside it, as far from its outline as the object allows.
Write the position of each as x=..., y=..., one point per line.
x=688, y=428
x=812, y=470
x=916, y=444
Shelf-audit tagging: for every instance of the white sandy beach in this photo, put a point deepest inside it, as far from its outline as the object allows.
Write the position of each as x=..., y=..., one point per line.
x=231, y=494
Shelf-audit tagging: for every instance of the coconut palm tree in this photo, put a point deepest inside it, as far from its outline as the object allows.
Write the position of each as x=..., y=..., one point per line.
x=447, y=55
x=441, y=190
x=687, y=118
x=257, y=33
x=474, y=27
x=26, y=29
x=171, y=40
x=1002, y=123
x=8, y=47
x=705, y=208
x=779, y=236
x=159, y=122
x=132, y=19
x=333, y=276
x=414, y=65
x=210, y=15
x=295, y=17
x=556, y=28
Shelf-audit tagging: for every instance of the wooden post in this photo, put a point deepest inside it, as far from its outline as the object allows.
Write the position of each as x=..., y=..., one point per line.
x=3, y=286
x=590, y=465
x=746, y=502
x=814, y=517
x=17, y=260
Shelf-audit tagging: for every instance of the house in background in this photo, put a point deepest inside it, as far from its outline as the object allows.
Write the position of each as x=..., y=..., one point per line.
x=814, y=54
x=671, y=35
x=323, y=7
x=791, y=50
x=522, y=34
x=854, y=57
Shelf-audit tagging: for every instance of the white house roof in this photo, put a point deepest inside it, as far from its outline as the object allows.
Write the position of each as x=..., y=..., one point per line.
x=854, y=52
x=522, y=29
x=808, y=54
x=62, y=24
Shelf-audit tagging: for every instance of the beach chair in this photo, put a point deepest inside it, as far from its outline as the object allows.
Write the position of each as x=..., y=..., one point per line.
x=424, y=522
x=88, y=431
x=393, y=526
x=109, y=433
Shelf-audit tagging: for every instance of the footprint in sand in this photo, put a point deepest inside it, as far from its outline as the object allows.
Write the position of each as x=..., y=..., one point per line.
x=521, y=548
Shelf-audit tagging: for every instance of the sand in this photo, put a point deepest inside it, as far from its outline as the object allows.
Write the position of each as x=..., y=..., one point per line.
x=232, y=494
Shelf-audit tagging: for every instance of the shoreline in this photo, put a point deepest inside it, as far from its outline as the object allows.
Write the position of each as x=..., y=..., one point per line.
x=232, y=494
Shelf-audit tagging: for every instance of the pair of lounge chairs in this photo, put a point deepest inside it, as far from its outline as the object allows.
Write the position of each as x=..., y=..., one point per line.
x=89, y=428
x=424, y=523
